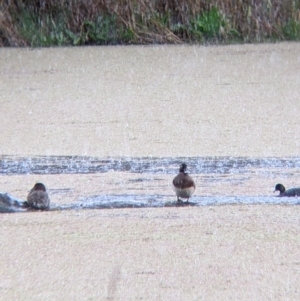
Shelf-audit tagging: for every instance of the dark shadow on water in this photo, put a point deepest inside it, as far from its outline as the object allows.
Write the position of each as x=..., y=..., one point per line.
x=10, y=204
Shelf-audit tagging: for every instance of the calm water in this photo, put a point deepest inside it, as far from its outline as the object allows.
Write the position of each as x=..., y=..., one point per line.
x=234, y=180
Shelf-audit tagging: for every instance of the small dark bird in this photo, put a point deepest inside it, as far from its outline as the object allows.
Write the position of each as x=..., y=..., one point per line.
x=38, y=197
x=289, y=193
x=183, y=185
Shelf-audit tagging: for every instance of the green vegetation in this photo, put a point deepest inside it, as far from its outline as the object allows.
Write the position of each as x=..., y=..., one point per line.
x=211, y=25
x=291, y=30
x=41, y=32
x=54, y=30
x=77, y=22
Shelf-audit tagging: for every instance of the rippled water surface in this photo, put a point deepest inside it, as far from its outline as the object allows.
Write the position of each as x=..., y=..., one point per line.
x=83, y=165
x=146, y=182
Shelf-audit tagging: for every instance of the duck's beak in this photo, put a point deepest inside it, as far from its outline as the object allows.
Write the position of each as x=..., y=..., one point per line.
x=274, y=191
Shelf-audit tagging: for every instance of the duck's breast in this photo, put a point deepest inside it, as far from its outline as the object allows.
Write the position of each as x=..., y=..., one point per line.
x=184, y=192
x=38, y=199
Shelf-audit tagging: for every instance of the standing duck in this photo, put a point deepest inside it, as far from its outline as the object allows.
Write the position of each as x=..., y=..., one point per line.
x=183, y=185
x=289, y=193
x=38, y=197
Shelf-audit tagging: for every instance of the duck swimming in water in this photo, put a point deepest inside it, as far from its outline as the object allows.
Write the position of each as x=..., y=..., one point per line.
x=289, y=193
x=38, y=197
x=183, y=185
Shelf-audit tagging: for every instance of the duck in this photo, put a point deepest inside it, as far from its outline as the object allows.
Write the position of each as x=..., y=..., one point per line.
x=292, y=192
x=183, y=185
x=38, y=197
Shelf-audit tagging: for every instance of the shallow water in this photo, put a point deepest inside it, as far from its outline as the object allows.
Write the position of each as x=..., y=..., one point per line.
x=131, y=115
x=146, y=182
x=90, y=165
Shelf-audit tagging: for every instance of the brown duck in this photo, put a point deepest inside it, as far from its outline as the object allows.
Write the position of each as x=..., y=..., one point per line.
x=38, y=197
x=183, y=185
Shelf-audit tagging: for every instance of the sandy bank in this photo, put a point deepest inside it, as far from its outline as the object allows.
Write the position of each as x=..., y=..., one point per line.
x=210, y=253
x=161, y=100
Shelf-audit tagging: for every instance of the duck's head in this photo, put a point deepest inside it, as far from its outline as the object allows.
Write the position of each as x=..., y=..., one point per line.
x=183, y=167
x=280, y=188
x=38, y=186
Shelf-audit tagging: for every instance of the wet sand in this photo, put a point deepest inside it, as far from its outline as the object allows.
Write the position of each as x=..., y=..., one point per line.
x=150, y=101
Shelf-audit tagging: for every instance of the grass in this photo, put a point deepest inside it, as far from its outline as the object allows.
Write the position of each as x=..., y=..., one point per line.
x=211, y=25
x=58, y=23
x=42, y=32
x=291, y=30
x=55, y=31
